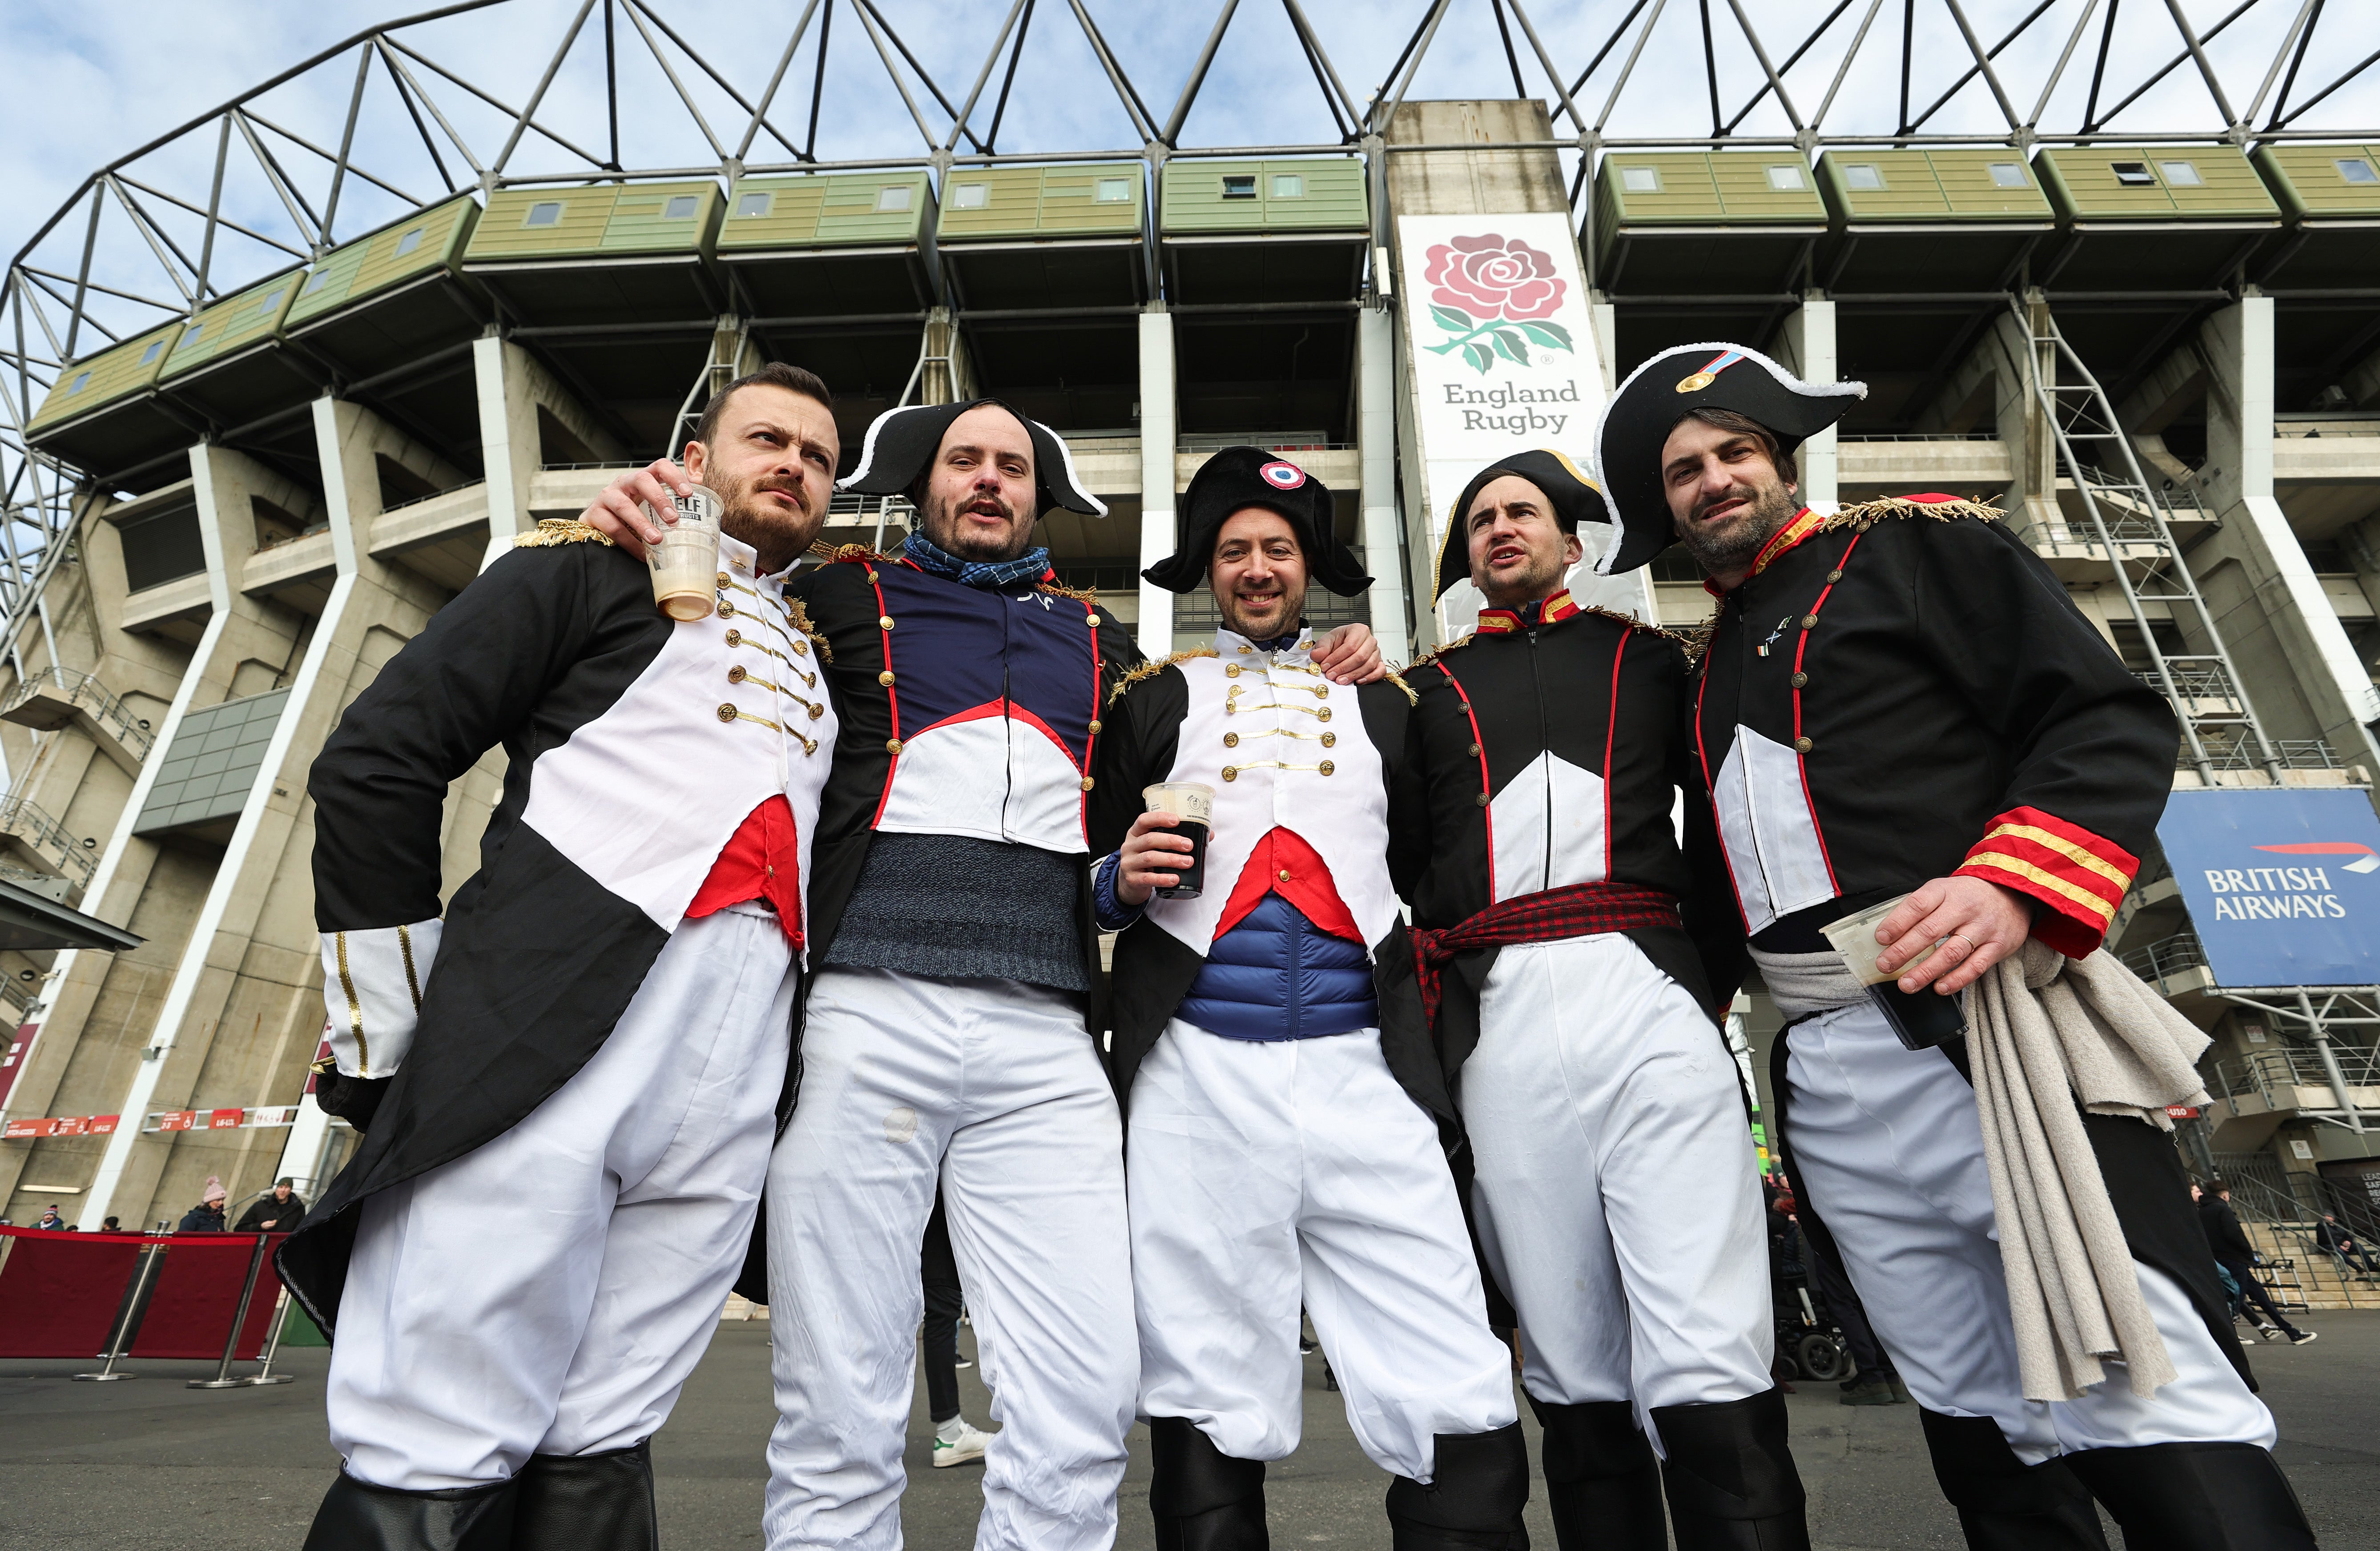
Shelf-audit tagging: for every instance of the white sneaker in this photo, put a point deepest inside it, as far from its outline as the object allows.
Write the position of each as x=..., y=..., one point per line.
x=965, y=1449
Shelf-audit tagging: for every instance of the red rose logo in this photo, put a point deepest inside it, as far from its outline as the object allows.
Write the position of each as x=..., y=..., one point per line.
x=1491, y=277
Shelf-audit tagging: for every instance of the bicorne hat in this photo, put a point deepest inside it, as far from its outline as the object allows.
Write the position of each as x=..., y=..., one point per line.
x=1638, y=420
x=902, y=444
x=1240, y=476
x=1575, y=499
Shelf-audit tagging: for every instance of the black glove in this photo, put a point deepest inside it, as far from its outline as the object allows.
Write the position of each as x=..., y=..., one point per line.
x=352, y=1099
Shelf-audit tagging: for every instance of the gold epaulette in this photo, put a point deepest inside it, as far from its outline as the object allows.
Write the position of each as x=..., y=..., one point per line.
x=1428, y=657
x=1150, y=669
x=831, y=553
x=1697, y=639
x=1411, y=698
x=800, y=617
x=558, y=530
x=1059, y=589
x=1631, y=622
x=1867, y=514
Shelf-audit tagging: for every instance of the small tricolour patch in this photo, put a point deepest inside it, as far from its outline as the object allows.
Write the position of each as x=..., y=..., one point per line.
x=1282, y=475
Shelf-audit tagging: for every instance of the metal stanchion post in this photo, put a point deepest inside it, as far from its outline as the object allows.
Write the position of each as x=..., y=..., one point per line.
x=120, y=1338
x=223, y=1379
x=272, y=1345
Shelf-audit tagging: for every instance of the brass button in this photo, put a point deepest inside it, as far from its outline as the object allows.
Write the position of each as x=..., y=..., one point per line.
x=727, y=713
x=1323, y=693
x=736, y=674
x=1284, y=875
x=723, y=578
x=1327, y=766
x=1323, y=715
x=1801, y=679
x=1801, y=745
x=801, y=648
x=726, y=608
x=1244, y=652
x=1329, y=739
x=892, y=745
x=1086, y=783
x=1475, y=751
x=1091, y=620
x=1095, y=728
x=1231, y=670
x=735, y=637
x=885, y=623
x=1809, y=620
x=885, y=677
x=1482, y=799
x=1231, y=740
x=817, y=711
x=1834, y=575
x=1230, y=772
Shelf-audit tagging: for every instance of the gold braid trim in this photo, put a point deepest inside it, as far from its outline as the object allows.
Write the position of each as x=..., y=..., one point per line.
x=1428, y=658
x=801, y=622
x=1631, y=622
x=558, y=530
x=1697, y=639
x=827, y=552
x=1059, y=589
x=1868, y=513
x=1150, y=669
x=1411, y=698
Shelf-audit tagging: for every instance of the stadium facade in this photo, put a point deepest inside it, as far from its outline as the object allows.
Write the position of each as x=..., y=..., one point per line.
x=2156, y=349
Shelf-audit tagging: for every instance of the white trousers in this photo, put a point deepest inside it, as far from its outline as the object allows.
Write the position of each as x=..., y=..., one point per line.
x=550, y=1291
x=994, y=1088
x=1617, y=1190
x=1264, y=1175
x=1886, y=1142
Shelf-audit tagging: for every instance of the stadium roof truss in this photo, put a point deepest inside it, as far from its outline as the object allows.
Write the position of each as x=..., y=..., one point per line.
x=273, y=179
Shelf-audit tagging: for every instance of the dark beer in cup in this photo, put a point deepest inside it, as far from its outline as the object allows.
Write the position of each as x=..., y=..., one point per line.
x=1194, y=803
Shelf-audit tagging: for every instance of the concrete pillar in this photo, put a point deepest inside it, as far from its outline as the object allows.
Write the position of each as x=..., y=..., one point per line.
x=1809, y=353
x=512, y=388
x=936, y=382
x=2281, y=591
x=1155, y=631
x=1375, y=438
x=241, y=1013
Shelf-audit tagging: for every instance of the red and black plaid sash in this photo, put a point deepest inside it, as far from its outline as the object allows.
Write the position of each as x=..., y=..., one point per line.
x=1575, y=910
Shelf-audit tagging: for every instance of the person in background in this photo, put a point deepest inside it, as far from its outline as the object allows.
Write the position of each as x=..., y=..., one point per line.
x=280, y=1212
x=2235, y=1254
x=956, y=1441
x=207, y=1216
x=112, y=1225
x=1873, y=1381
x=2333, y=1239
x=50, y=1220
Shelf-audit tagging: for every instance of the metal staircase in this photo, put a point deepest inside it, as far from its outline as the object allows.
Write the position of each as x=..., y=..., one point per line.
x=2129, y=519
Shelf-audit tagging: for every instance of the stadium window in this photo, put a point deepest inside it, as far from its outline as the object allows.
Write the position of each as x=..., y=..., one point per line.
x=1240, y=185
x=1785, y=178
x=322, y=278
x=545, y=212
x=2009, y=175
x=1112, y=191
x=156, y=348
x=754, y=204
x=2181, y=175
x=1288, y=185
x=265, y=308
x=2132, y=174
x=680, y=206
x=1862, y=174
x=892, y=197
x=82, y=380
x=2355, y=169
x=192, y=336
x=972, y=196
x=1641, y=180
x=409, y=241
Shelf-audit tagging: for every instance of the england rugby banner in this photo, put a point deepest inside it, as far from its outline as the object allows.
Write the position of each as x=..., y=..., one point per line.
x=1501, y=352
x=2283, y=886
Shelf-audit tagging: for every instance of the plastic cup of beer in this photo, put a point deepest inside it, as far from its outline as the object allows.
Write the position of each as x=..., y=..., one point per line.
x=686, y=562
x=1194, y=803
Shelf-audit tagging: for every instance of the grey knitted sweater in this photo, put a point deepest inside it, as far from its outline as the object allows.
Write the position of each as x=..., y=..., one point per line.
x=956, y=907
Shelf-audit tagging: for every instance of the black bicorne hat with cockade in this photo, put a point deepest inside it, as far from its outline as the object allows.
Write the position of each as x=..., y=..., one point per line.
x=1575, y=497
x=902, y=444
x=1638, y=420
x=1242, y=476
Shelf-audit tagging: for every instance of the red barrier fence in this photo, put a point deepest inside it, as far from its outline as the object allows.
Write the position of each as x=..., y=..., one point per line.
x=63, y=1294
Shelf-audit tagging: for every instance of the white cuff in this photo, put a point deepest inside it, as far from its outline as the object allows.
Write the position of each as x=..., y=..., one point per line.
x=372, y=989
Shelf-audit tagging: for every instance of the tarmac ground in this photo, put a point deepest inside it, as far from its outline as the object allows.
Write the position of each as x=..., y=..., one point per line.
x=154, y=1464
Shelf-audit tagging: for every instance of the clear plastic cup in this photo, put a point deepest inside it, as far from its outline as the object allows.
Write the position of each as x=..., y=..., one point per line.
x=686, y=562
x=1193, y=803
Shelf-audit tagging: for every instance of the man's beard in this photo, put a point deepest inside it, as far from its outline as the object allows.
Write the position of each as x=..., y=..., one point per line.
x=745, y=516
x=948, y=531
x=1537, y=578
x=1734, y=543
x=1282, y=622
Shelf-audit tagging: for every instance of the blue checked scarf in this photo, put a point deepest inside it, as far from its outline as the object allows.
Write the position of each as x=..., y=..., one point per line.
x=1032, y=565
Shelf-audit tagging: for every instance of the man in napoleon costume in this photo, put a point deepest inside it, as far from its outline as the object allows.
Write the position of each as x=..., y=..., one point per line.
x=949, y=1033
x=1897, y=698
x=1580, y=1029
x=568, y=1086
x=1283, y=1140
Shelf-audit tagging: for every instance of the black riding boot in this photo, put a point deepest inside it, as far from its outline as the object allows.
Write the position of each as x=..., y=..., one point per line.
x=2197, y=1496
x=358, y=1516
x=1729, y=1477
x=2003, y=1503
x=586, y=1502
x=1602, y=1480
x=1201, y=1497
x=1476, y=1490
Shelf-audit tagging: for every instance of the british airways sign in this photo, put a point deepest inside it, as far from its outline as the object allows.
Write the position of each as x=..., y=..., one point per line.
x=2283, y=886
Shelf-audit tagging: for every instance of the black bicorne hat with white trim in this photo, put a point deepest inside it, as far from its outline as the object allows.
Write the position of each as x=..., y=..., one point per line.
x=1241, y=476
x=902, y=444
x=1638, y=420
x=1575, y=499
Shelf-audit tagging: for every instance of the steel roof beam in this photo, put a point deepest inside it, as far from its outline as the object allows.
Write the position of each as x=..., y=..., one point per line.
x=893, y=33
x=1973, y=71
x=1197, y=73
x=704, y=65
x=760, y=112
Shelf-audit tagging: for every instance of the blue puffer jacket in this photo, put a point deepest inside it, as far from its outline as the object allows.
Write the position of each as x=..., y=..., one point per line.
x=1276, y=976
